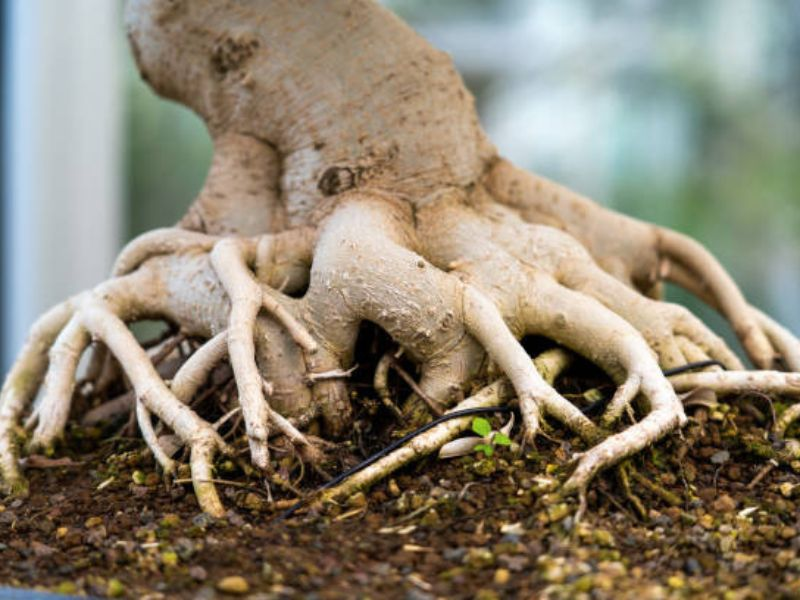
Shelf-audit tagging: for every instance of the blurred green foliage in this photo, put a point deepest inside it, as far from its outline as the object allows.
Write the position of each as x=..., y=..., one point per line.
x=167, y=155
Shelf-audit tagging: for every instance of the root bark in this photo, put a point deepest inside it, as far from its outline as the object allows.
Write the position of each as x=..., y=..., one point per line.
x=316, y=218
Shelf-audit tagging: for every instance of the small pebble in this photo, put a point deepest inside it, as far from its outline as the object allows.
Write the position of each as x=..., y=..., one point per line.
x=170, y=520
x=721, y=457
x=233, y=584
x=724, y=504
x=357, y=500
x=502, y=576
x=93, y=522
x=479, y=558
x=115, y=588
x=787, y=489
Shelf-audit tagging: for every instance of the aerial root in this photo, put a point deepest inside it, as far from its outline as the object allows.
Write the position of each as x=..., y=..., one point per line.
x=244, y=292
x=197, y=368
x=20, y=387
x=52, y=353
x=123, y=403
x=168, y=240
x=52, y=412
x=153, y=394
x=381, y=384
x=231, y=259
x=484, y=322
x=308, y=451
x=742, y=382
x=671, y=330
x=621, y=400
x=145, y=422
x=700, y=266
x=784, y=343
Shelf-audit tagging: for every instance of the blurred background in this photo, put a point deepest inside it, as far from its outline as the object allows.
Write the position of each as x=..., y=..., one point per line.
x=684, y=113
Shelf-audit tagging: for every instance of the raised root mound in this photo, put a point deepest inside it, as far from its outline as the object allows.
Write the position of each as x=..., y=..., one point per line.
x=427, y=234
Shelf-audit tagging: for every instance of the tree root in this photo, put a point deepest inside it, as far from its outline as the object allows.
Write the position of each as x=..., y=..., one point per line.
x=312, y=222
x=451, y=299
x=643, y=256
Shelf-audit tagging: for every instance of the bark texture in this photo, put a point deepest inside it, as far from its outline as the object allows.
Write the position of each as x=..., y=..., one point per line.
x=352, y=182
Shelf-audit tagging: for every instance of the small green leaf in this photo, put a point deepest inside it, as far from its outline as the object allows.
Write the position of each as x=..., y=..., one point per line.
x=501, y=439
x=481, y=426
x=485, y=448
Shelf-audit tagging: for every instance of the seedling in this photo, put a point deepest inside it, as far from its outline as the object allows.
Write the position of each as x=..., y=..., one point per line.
x=485, y=440
x=492, y=438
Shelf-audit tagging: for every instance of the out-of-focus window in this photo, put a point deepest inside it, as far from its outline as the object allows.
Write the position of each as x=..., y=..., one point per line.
x=62, y=115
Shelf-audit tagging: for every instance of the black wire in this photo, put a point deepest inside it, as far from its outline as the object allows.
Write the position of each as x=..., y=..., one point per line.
x=587, y=410
x=595, y=407
x=480, y=410
x=701, y=364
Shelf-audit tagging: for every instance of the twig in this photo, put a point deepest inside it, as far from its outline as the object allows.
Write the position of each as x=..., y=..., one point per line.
x=229, y=482
x=765, y=470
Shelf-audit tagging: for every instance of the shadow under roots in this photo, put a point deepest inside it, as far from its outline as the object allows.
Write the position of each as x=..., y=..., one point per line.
x=375, y=423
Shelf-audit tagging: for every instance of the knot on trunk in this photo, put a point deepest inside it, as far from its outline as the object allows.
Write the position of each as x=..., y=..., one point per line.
x=336, y=180
x=230, y=53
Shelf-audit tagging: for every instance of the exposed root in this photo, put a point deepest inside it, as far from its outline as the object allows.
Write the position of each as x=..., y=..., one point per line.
x=245, y=297
x=381, y=384
x=230, y=259
x=494, y=293
x=484, y=322
x=144, y=420
x=312, y=222
x=622, y=399
x=641, y=256
x=308, y=451
x=623, y=477
x=170, y=240
x=738, y=382
x=663, y=418
x=20, y=387
x=727, y=296
x=153, y=393
x=52, y=412
x=195, y=371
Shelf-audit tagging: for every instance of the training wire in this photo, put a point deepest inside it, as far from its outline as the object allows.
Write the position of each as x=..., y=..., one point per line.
x=590, y=409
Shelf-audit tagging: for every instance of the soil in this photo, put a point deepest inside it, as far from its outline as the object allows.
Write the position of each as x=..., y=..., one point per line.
x=104, y=523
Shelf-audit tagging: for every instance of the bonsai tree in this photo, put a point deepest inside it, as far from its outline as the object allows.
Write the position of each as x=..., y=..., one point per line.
x=352, y=182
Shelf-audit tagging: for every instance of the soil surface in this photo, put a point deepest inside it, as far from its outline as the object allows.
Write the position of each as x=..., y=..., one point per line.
x=102, y=522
